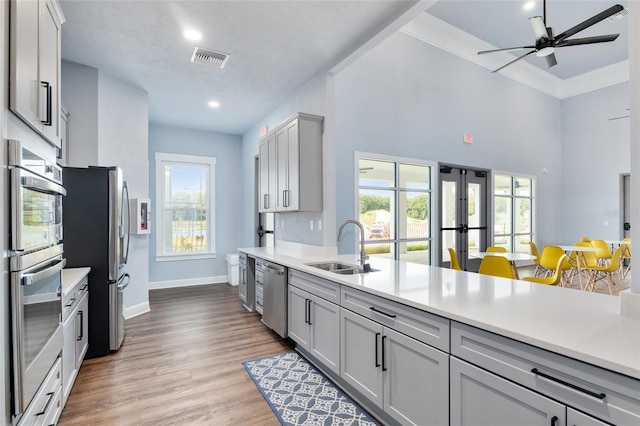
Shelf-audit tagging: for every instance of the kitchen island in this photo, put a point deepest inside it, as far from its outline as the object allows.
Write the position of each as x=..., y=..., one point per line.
x=524, y=323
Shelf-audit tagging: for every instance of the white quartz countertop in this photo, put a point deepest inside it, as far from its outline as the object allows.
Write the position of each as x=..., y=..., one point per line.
x=71, y=277
x=581, y=325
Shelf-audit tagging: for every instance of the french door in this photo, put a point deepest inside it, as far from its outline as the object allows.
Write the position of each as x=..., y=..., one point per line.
x=463, y=214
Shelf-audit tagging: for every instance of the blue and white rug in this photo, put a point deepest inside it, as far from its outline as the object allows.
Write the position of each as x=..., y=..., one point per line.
x=300, y=395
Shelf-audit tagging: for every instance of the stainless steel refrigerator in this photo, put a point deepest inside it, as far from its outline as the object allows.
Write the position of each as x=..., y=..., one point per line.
x=96, y=214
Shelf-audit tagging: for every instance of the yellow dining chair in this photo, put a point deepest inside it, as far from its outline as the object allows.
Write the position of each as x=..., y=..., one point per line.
x=587, y=259
x=585, y=240
x=554, y=279
x=453, y=264
x=599, y=272
x=549, y=260
x=496, y=249
x=497, y=266
x=603, y=254
x=533, y=249
x=625, y=257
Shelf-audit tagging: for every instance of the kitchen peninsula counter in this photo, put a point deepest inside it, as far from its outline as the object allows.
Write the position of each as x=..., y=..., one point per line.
x=581, y=325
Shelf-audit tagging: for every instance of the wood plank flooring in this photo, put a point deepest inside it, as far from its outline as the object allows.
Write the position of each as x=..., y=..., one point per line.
x=181, y=363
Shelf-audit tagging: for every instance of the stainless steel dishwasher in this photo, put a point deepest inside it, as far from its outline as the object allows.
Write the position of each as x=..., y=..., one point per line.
x=274, y=309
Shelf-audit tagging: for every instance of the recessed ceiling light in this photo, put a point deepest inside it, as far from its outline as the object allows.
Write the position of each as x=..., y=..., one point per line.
x=213, y=104
x=192, y=34
x=529, y=5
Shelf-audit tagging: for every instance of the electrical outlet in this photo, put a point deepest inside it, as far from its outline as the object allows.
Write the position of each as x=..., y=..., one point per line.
x=311, y=225
x=319, y=225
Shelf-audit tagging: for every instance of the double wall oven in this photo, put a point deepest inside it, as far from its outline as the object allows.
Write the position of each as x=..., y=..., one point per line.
x=36, y=263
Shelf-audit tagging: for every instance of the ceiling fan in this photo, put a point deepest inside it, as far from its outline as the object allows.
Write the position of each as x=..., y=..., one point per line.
x=547, y=42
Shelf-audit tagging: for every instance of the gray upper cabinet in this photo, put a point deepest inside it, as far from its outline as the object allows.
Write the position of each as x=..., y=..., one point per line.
x=35, y=65
x=267, y=181
x=291, y=166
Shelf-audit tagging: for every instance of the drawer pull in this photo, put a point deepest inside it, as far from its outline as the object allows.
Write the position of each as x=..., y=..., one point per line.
x=46, y=406
x=570, y=385
x=383, y=313
x=554, y=421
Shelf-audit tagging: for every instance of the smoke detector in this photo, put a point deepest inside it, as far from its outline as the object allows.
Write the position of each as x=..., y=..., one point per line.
x=209, y=57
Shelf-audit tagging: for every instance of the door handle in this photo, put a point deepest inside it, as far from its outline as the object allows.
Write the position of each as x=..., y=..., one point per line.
x=309, y=310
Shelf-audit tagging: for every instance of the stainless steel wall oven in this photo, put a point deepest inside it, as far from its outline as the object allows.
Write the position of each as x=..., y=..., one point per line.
x=36, y=262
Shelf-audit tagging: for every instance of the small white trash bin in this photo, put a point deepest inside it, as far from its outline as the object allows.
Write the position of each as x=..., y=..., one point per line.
x=233, y=269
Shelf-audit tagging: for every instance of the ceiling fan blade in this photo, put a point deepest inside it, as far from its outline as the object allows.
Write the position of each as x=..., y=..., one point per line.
x=505, y=49
x=539, y=27
x=515, y=60
x=551, y=60
x=588, y=40
x=589, y=22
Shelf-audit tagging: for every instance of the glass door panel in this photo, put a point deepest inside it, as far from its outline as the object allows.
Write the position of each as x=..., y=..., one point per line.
x=463, y=213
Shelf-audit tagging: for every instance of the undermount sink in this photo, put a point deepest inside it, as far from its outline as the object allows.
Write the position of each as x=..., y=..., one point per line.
x=333, y=266
x=339, y=268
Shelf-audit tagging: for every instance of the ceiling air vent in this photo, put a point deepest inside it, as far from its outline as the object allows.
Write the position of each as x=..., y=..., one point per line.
x=210, y=57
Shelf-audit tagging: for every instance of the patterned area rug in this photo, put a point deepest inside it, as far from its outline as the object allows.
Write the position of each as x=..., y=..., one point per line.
x=300, y=395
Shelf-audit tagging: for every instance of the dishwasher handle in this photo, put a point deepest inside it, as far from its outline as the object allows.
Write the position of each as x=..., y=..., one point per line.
x=272, y=270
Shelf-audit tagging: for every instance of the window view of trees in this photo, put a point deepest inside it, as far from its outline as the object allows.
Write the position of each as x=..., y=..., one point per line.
x=394, y=203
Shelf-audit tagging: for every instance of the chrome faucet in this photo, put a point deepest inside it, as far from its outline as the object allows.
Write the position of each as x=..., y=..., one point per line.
x=363, y=255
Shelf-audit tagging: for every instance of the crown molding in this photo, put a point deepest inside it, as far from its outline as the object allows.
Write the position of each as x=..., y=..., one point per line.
x=449, y=38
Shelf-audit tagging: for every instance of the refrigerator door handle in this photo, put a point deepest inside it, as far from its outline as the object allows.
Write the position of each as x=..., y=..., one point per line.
x=125, y=196
x=123, y=284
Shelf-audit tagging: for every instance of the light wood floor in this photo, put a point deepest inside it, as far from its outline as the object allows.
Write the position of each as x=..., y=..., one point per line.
x=181, y=364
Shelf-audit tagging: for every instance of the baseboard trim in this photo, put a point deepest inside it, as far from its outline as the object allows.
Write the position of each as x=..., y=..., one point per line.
x=134, y=311
x=187, y=282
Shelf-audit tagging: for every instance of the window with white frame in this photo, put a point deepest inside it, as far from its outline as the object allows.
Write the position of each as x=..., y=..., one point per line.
x=513, y=211
x=185, y=220
x=394, y=207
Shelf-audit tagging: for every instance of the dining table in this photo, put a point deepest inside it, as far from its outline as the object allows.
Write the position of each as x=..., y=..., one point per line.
x=510, y=256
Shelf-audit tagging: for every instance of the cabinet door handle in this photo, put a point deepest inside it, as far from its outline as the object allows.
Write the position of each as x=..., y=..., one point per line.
x=384, y=367
x=81, y=323
x=377, y=361
x=45, y=116
x=554, y=421
x=265, y=201
x=306, y=311
x=373, y=308
x=570, y=385
x=309, y=309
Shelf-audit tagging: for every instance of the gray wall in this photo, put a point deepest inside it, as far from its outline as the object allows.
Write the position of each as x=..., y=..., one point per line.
x=228, y=195
x=80, y=95
x=410, y=99
x=310, y=99
x=108, y=125
x=595, y=151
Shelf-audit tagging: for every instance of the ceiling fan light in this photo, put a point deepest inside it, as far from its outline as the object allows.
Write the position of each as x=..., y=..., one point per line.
x=545, y=51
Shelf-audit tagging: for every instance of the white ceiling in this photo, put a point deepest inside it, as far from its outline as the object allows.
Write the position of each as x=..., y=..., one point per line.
x=276, y=46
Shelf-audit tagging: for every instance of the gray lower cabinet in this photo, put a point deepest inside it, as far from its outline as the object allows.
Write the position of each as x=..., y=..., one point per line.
x=479, y=397
x=406, y=378
x=576, y=418
x=314, y=324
